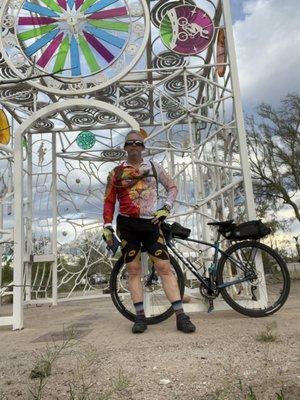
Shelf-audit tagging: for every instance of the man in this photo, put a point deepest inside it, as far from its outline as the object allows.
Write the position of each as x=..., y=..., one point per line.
x=134, y=184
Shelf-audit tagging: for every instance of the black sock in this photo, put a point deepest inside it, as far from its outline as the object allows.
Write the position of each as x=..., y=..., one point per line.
x=178, y=308
x=139, y=309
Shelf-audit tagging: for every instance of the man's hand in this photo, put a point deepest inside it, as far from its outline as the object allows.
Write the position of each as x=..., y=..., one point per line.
x=108, y=235
x=161, y=214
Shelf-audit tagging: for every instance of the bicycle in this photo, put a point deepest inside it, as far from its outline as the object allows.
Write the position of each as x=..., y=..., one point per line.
x=252, y=278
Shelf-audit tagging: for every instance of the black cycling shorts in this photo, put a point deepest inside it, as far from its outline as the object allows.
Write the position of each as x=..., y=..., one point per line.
x=137, y=232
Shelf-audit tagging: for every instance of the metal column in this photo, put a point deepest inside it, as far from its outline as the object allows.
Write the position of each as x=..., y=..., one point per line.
x=239, y=111
x=54, y=220
x=18, y=234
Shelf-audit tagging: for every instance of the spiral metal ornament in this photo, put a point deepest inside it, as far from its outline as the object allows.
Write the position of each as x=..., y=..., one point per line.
x=17, y=95
x=110, y=100
x=107, y=118
x=175, y=114
x=161, y=7
x=83, y=111
x=44, y=124
x=168, y=104
x=124, y=90
x=2, y=60
x=83, y=120
x=135, y=103
x=107, y=92
x=140, y=115
x=113, y=155
x=177, y=86
x=168, y=59
x=7, y=73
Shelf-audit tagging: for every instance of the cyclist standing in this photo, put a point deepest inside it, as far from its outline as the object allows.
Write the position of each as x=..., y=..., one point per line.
x=134, y=184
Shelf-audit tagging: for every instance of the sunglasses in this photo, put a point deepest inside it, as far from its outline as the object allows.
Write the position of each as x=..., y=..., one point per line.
x=134, y=142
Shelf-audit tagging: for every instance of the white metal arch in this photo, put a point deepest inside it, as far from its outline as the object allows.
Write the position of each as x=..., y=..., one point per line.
x=17, y=318
x=164, y=92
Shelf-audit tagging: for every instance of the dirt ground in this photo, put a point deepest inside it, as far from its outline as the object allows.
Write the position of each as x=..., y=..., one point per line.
x=85, y=350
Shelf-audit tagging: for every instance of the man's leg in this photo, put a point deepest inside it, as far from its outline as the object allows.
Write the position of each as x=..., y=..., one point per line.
x=130, y=245
x=134, y=281
x=171, y=288
x=169, y=281
x=155, y=244
x=136, y=292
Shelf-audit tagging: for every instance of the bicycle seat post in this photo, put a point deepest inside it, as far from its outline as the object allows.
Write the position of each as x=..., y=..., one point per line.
x=217, y=241
x=215, y=256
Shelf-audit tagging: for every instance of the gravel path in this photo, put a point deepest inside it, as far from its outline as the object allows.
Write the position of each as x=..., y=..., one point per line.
x=222, y=360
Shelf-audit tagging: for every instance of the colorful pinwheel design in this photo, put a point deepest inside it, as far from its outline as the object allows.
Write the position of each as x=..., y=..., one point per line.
x=74, y=38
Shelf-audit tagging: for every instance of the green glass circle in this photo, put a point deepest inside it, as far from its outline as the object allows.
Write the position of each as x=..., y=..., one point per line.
x=86, y=140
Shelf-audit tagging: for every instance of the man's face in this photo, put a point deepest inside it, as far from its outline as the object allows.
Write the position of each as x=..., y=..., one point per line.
x=134, y=148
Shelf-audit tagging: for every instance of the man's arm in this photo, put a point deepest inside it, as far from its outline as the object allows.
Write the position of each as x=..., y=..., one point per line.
x=109, y=199
x=168, y=184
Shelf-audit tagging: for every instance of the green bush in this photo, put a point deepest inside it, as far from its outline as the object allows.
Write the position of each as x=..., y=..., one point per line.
x=7, y=274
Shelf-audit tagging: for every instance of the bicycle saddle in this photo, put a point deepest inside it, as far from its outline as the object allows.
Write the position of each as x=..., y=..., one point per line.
x=223, y=224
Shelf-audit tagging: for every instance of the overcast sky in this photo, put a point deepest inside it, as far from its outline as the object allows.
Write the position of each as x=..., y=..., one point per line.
x=267, y=40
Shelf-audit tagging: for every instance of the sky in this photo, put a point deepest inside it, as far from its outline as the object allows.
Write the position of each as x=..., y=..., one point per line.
x=267, y=41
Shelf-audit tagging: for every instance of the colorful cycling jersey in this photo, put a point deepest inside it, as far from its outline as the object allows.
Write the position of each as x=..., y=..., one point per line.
x=136, y=190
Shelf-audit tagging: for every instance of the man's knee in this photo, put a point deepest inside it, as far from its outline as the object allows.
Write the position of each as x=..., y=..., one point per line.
x=163, y=267
x=134, y=268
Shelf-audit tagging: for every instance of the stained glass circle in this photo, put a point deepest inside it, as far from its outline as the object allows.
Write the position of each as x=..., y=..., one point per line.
x=86, y=140
x=186, y=30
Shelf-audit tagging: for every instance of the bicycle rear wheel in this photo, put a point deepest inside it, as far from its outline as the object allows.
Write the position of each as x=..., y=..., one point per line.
x=158, y=308
x=263, y=295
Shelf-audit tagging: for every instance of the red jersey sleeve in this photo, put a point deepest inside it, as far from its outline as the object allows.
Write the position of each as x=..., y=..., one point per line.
x=109, y=198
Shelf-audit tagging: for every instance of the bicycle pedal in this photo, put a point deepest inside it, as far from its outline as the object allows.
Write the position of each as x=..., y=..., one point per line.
x=211, y=306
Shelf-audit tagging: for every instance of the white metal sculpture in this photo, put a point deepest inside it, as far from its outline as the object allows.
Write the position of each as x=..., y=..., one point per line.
x=71, y=114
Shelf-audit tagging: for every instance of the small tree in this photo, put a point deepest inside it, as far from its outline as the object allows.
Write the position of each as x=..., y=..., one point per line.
x=274, y=143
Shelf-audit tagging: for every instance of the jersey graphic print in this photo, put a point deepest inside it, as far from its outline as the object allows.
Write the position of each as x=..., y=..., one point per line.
x=136, y=190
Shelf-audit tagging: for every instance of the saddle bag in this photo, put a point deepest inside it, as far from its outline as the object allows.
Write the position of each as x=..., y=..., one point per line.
x=176, y=230
x=247, y=230
x=180, y=231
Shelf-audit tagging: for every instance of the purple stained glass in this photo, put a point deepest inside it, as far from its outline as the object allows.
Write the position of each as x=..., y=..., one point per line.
x=186, y=30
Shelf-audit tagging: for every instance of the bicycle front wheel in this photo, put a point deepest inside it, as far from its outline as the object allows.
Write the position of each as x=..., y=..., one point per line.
x=257, y=297
x=157, y=306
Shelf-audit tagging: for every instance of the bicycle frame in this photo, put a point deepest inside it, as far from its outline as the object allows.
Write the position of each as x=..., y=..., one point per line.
x=211, y=284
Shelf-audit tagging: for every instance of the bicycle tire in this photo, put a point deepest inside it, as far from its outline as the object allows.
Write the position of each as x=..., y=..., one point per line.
x=274, y=268
x=124, y=310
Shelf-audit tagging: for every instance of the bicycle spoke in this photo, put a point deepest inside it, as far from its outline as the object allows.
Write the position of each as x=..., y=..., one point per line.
x=263, y=292
x=157, y=306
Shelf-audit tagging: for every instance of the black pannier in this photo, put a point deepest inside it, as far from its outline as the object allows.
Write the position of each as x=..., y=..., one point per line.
x=247, y=230
x=177, y=230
